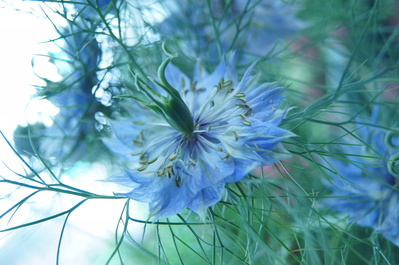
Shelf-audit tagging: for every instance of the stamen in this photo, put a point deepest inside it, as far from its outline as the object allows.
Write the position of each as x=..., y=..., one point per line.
x=160, y=173
x=193, y=162
x=142, y=168
x=138, y=143
x=141, y=136
x=240, y=94
x=170, y=172
x=249, y=111
x=236, y=136
x=243, y=106
x=178, y=181
x=223, y=84
x=172, y=157
x=152, y=160
x=193, y=85
x=246, y=122
x=143, y=158
x=226, y=157
x=227, y=83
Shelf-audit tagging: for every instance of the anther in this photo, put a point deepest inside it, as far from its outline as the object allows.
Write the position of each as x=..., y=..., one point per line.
x=249, y=111
x=223, y=84
x=227, y=83
x=246, y=122
x=193, y=162
x=178, y=181
x=144, y=158
x=236, y=136
x=193, y=85
x=141, y=136
x=152, y=160
x=221, y=80
x=226, y=157
x=160, y=173
x=142, y=168
x=138, y=143
x=170, y=172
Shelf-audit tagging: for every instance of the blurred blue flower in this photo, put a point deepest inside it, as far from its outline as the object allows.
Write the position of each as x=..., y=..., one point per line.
x=191, y=34
x=89, y=9
x=366, y=189
x=209, y=131
x=77, y=64
x=259, y=27
x=252, y=28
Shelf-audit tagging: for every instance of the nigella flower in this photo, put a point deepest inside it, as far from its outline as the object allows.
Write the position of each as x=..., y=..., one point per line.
x=89, y=8
x=259, y=27
x=191, y=34
x=252, y=28
x=208, y=131
x=76, y=63
x=367, y=188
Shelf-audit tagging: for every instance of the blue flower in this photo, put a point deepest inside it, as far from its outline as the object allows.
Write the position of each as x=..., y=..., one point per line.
x=89, y=8
x=77, y=64
x=252, y=28
x=261, y=27
x=367, y=188
x=191, y=34
x=209, y=131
